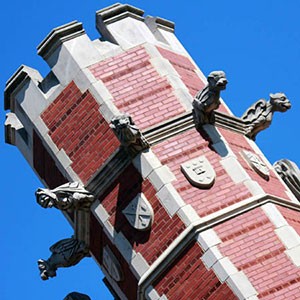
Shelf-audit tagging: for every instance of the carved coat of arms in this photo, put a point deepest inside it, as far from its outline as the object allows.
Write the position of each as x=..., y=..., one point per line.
x=112, y=265
x=199, y=172
x=139, y=213
x=256, y=164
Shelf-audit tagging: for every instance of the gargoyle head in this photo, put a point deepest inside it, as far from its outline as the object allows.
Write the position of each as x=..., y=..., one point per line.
x=280, y=102
x=45, y=197
x=125, y=129
x=121, y=122
x=217, y=80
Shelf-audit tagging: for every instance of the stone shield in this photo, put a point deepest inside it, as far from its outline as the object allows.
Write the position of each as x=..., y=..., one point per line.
x=256, y=164
x=139, y=213
x=199, y=172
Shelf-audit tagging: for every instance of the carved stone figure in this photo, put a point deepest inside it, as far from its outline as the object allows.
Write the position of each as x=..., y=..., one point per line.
x=208, y=99
x=290, y=174
x=77, y=296
x=259, y=116
x=199, y=172
x=67, y=196
x=65, y=253
x=129, y=134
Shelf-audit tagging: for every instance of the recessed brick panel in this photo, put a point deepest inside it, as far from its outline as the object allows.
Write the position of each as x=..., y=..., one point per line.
x=137, y=88
x=187, y=146
x=76, y=125
x=150, y=243
x=252, y=245
x=188, y=278
x=186, y=69
x=238, y=143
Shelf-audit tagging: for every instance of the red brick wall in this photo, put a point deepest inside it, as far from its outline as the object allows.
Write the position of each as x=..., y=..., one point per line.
x=76, y=125
x=250, y=242
x=149, y=243
x=187, y=146
x=186, y=69
x=137, y=88
x=238, y=143
x=188, y=278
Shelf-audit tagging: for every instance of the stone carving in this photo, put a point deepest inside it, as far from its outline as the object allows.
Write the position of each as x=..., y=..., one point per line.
x=77, y=296
x=259, y=116
x=139, y=213
x=129, y=134
x=199, y=172
x=208, y=99
x=290, y=174
x=67, y=196
x=256, y=164
x=65, y=253
x=112, y=265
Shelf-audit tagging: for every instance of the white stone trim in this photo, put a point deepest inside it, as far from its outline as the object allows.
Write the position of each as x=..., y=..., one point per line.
x=139, y=265
x=145, y=162
x=151, y=294
x=170, y=199
x=211, y=256
x=286, y=233
x=241, y=286
x=224, y=268
x=188, y=215
x=208, y=238
x=274, y=215
x=166, y=69
x=161, y=176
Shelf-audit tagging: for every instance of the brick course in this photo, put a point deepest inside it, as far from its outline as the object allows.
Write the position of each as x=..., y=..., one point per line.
x=76, y=125
x=186, y=70
x=252, y=245
x=188, y=278
x=137, y=88
x=187, y=146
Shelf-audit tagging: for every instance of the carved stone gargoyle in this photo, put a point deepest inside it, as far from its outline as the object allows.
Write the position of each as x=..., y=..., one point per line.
x=65, y=253
x=77, y=296
x=67, y=196
x=129, y=134
x=259, y=116
x=290, y=174
x=208, y=99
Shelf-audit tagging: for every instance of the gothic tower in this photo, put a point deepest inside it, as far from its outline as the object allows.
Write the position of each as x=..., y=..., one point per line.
x=168, y=193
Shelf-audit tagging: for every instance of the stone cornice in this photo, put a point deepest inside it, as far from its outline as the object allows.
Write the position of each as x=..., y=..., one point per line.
x=119, y=11
x=59, y=35
x=185, y=122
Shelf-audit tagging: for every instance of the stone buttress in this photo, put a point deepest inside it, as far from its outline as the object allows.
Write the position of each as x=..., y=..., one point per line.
x=155, y=233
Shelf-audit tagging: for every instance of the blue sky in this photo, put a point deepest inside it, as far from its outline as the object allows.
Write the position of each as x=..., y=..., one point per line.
x=257, y=44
